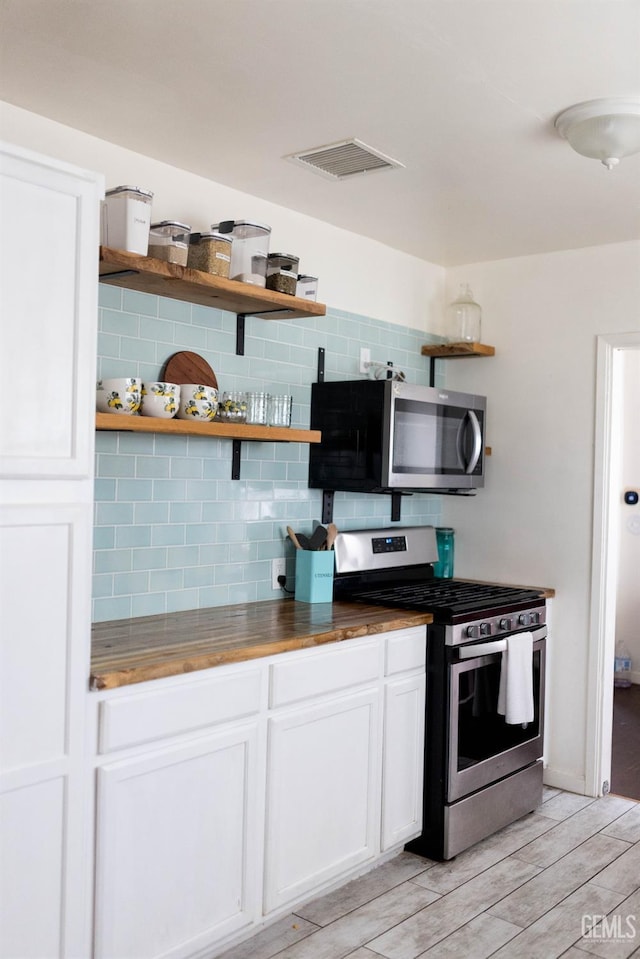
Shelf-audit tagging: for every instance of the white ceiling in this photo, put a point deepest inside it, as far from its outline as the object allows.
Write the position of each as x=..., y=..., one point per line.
x=463, y=92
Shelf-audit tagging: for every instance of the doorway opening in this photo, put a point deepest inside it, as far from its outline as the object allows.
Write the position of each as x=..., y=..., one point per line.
x=605, y=559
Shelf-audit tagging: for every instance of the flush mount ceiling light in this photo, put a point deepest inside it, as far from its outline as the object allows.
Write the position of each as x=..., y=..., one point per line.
x=606, y=130
x=344, y=159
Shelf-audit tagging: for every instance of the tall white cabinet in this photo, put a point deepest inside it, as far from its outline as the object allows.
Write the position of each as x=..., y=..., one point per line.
x=49, y=216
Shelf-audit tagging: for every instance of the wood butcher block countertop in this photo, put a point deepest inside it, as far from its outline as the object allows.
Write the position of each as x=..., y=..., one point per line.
x=151, y=647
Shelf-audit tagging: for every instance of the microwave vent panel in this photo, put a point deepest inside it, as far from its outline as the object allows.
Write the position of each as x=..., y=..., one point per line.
x=344, y=159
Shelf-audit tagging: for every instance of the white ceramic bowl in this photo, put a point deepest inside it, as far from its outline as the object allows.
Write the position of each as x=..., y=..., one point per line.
x=160, y=399
x=197, y=402
x=119, y=395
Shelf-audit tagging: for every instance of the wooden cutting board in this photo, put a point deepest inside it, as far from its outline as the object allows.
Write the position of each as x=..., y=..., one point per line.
x=186, y=367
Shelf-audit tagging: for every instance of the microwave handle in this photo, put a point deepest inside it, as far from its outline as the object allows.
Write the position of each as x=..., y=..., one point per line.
x=477, y=441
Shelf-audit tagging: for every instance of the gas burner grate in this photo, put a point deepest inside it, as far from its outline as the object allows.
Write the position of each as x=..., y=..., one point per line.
x=448, y=598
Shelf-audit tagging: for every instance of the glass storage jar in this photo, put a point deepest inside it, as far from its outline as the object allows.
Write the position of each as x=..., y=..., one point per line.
x=282, y=272
x=464, y=318
x=284, y=281
x=169, y=240
x=307, y=287
x=249, y=249
x=210, y=253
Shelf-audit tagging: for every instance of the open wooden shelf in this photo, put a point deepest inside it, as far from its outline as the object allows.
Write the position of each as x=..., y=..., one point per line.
x=228, y=431
x=457, y=350
x=148, y=275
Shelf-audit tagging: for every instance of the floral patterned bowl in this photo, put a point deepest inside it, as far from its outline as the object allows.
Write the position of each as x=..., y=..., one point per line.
x=197, y=402
x=119, y=395
x=160, y=399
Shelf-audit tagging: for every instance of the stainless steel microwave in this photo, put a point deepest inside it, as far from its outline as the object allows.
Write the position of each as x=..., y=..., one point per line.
x=385, y=436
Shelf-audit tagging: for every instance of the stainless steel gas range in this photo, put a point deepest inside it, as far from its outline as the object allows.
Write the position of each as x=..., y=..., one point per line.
x=483, y=769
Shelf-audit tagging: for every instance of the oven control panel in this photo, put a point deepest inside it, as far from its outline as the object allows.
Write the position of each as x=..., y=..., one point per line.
x=496, y=626
x=362, y=550
x=389, y=544
x=505, y=624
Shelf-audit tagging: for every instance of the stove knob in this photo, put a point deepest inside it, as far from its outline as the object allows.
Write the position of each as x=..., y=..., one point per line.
x=506, y=624
x=472, y=632
x=524, y=619
x=485, y=629
x=535, y=618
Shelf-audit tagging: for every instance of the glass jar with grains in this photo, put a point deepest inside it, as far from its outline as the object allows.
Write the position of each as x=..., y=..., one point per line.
x=210, y=253
x=282, y=272
x=169, y=241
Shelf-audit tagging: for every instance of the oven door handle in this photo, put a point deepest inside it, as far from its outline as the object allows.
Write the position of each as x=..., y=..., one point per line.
x=482, y=649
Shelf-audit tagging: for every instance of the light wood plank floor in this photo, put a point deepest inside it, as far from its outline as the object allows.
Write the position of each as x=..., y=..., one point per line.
x=563, y=881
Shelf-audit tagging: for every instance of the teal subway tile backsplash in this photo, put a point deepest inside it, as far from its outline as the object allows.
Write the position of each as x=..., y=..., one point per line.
x=133, y=535
x=143, y=303
x=176, y=310
x=109, y=297
x=173, y=531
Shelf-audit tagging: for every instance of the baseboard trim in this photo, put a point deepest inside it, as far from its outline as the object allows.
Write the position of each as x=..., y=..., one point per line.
x=561, y=780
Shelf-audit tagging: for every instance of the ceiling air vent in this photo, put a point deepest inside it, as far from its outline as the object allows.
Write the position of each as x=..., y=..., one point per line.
x=343, y=159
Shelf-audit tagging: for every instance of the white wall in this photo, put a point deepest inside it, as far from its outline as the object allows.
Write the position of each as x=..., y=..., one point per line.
x=533, y=522
x=628, y=594
x=355, y=274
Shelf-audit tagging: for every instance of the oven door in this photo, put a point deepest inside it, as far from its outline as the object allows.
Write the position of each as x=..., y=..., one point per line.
x=483, y=748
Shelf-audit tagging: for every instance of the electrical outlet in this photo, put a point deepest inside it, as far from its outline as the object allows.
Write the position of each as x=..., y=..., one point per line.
x=365, y=357
x=278, y=568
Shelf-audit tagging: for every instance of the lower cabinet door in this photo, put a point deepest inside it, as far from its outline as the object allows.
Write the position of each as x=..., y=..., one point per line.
x=322, y=794
x=403, y=760
x=176, y=851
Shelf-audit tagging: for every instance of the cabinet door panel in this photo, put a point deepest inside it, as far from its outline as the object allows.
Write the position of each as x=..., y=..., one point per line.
x=35, y=558
x=31, y=865
x=322, y=806
x=403, y=760
x=158, y=713
x=48, y=301
x=406, y=649
x=175, y=846
x=323, y=671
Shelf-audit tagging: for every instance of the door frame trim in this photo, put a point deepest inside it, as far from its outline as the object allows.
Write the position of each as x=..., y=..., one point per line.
x=604, y=567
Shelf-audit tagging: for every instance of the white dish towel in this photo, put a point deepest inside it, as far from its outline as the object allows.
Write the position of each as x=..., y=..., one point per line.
x=515, y=696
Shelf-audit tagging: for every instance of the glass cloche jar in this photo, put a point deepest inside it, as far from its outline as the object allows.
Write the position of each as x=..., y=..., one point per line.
x=464, y=317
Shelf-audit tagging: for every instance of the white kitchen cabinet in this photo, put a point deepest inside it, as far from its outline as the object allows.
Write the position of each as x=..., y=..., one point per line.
x=322, y=789
x=226, y=797
x=176, y=846
x=403, y=742
x=180, y=785
x=403, y=760
x=48, y=304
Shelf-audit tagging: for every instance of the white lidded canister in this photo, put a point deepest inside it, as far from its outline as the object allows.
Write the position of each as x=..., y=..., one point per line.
x=249, y=249
x=126, y=217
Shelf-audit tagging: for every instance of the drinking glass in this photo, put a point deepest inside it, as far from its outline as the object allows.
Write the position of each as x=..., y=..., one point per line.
x=257, y=405
x=279, y=411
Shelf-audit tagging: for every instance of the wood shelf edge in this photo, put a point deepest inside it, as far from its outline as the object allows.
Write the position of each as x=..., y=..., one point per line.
x=457, y=350
x=148, y=424
x=160, y=278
